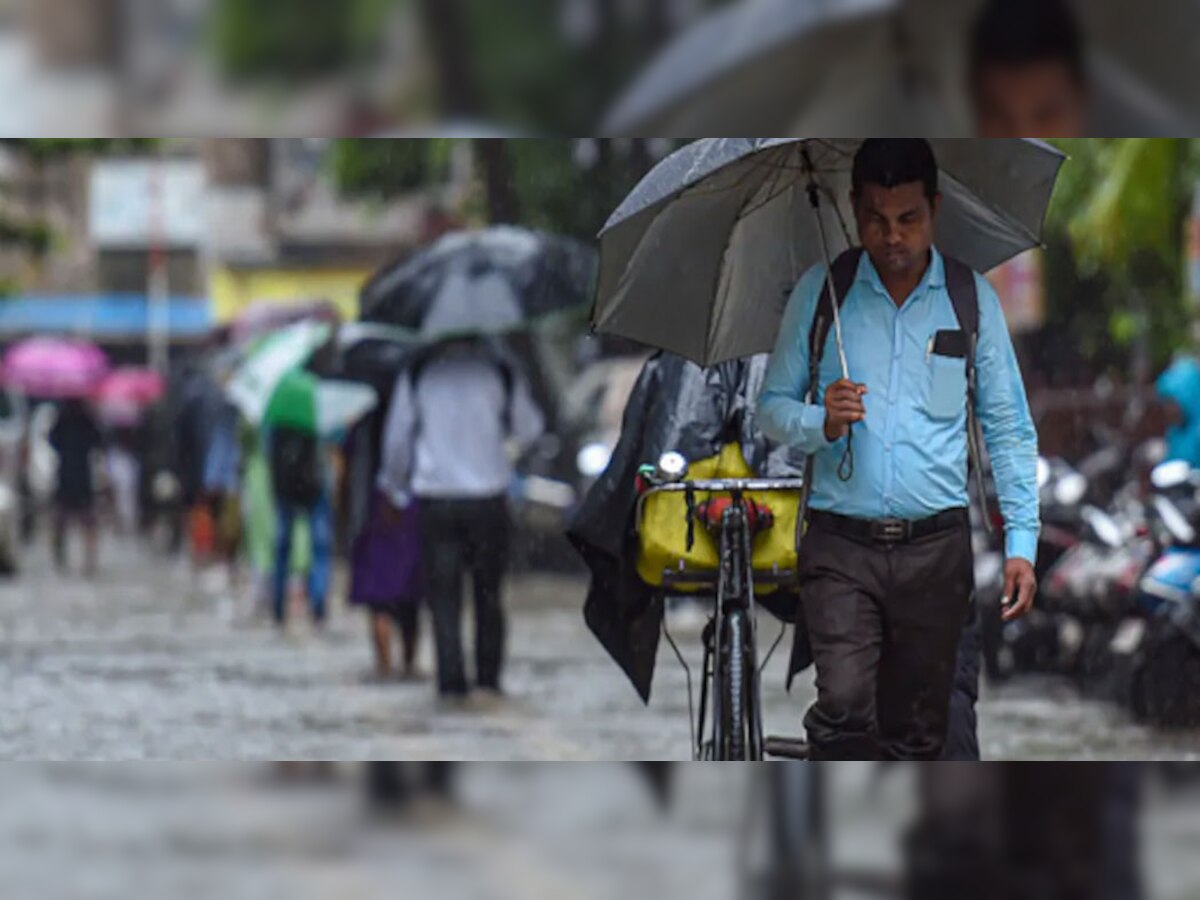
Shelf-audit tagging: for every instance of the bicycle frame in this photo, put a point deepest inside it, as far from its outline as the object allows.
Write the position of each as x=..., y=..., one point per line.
x=735, y=594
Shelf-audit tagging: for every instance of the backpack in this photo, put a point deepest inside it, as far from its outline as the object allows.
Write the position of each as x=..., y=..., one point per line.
x=505, y=367
x=964, y=297
x=296, y=467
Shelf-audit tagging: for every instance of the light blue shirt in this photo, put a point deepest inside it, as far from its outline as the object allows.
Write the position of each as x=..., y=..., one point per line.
x=910, y=452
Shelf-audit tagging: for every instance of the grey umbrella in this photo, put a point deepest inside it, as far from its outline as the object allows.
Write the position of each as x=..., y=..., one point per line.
x=891, y=67
x=700, y=258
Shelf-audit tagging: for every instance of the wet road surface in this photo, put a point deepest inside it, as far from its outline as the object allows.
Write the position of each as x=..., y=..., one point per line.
x=149, y=662
x=535, y=832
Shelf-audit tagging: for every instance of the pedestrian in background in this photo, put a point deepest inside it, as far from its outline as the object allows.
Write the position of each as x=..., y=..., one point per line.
x=300, y=479
x=459, y=418
x=124, y=473
x=386, y=577
x=222, y=488
x=76, y=439
x=1178, y=389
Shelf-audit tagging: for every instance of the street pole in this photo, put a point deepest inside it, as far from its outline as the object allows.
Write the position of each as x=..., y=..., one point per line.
x=158, y=288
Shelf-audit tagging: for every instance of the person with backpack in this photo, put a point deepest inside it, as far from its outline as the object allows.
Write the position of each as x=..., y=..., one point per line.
x=301, y=486
x=886, y=568
x=459, y=417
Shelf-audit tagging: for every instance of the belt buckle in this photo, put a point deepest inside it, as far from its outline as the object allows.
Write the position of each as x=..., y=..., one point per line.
x=891, y=531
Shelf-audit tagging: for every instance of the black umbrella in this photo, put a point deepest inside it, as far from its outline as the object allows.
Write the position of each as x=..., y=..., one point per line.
x=489, y=281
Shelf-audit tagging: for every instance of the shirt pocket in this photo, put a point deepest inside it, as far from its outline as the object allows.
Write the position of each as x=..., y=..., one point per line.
x=947, y=396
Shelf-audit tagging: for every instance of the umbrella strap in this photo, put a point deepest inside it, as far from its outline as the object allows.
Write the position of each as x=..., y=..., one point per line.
x=845, y=470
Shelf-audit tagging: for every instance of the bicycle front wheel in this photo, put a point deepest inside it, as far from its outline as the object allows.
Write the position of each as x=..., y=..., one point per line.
x=737, y=681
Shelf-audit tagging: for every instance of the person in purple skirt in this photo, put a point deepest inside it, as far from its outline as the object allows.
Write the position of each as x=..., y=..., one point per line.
x=386, y=577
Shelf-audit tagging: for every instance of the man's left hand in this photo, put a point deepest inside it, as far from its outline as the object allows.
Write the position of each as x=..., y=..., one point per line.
x=1020, y=587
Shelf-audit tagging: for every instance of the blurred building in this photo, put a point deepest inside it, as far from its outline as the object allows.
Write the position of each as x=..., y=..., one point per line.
x=280, y=232
x=200, y=229
x=181, y=67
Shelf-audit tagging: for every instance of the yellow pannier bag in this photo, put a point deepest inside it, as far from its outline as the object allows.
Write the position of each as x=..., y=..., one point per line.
x=663, y=528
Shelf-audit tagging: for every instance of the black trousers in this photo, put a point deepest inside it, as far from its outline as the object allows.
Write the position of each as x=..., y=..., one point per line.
x=962, y=736
x=462, y=537
x=884, y=624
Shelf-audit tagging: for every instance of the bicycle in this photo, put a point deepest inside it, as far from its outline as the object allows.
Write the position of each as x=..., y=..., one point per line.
x=730, y=699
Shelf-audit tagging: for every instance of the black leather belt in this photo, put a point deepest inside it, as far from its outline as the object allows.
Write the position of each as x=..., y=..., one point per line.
x=888, y=531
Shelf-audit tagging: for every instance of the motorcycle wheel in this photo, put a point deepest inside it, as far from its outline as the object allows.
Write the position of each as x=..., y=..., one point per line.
x=1172, y=683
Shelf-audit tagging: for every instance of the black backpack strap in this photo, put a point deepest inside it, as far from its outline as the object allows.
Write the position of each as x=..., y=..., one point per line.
x=844, y=271
x=964, y=297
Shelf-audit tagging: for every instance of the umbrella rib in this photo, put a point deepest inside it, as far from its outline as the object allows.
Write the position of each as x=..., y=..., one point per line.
x=751, y=168
x=772, y=194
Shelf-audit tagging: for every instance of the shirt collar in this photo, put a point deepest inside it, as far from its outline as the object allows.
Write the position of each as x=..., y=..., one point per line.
x=934, y=277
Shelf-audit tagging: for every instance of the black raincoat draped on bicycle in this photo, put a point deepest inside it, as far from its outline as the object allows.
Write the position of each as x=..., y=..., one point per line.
x=675, y=405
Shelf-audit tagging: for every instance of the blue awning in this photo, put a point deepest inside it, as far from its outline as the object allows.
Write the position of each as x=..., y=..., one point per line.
x=101, y=317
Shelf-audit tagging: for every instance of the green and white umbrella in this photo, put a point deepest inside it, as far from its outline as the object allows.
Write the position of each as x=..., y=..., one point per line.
x=255, y=380
x=322, y=407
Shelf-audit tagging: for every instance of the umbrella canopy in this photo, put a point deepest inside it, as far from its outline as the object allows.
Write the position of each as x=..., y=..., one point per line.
x=255, y=381
x=54, y=368
x=889, y=67
x=123, y=397
x=320, y=407
x=264, y=316
x=482, y=282
x=701, y=257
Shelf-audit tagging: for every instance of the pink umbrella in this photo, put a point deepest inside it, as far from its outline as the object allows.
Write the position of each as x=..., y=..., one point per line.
x=123, y=396
x=54, y=368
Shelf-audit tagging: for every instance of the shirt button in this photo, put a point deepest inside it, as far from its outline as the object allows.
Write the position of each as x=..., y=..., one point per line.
x=888, y=448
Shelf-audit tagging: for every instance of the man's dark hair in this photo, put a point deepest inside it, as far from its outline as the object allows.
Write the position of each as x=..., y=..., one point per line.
x=1013, y=33
x=889, y=162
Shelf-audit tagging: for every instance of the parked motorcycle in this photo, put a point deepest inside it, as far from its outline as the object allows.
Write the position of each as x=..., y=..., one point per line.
x=1157, y=657
x=1090, y=560
x=1036, y=642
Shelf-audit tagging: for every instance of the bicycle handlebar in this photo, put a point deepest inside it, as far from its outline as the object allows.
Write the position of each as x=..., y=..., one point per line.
x=728, y=485
x=717, y=486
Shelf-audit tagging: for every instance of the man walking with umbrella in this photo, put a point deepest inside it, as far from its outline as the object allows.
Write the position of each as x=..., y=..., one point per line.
x=457, y=415
x=463, y=410
x=885, y=565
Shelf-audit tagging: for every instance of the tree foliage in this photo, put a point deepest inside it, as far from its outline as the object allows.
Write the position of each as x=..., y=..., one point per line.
x=1115, y=246
x=521, y=64
x=290, y=40
x=551, y=184
x=378, y=169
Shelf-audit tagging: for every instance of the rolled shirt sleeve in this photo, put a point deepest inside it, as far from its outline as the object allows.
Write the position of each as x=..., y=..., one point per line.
x=783, y=414
x=1008, y=430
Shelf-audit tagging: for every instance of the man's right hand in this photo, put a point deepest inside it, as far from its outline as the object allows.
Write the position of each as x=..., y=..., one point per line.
x=843, y=407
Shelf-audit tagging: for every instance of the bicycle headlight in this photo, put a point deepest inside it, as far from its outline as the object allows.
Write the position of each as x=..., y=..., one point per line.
x=672, y=466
